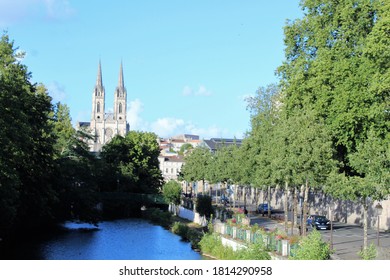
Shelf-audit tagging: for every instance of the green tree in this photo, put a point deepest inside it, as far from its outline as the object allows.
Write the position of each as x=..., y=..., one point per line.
x=131, y=163
x=27, y=195
x=185, y=148
x=75, y=172
x=264, y=108
x=62, y=128
x=337, y=65
x=204, y=206
x=196, y=165
x=172, y=192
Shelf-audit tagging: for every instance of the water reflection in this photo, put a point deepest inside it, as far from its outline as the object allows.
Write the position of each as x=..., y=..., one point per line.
x=130, y=239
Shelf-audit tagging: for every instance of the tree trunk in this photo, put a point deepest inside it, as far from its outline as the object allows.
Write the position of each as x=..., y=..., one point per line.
x=257, y=193
x=269, y=201
x=305, y=198
x=294, y=210
x=295, y=198
x=286, y=196
x=235, y=196
x=365, y=226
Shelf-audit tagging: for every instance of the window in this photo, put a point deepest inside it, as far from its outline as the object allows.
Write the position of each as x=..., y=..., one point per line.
x=120, y=108
x=98, y=107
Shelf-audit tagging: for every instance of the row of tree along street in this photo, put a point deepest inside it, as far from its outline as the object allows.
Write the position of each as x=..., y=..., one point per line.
x=48, y=175
x=325, y=125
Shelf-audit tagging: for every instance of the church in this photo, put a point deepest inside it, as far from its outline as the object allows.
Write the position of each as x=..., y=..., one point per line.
x=105, y=125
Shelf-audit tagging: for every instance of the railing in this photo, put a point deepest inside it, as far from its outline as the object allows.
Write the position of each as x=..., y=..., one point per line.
x=273, y=243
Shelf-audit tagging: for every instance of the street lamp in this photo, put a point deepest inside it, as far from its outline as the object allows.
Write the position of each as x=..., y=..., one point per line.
x=379, y=209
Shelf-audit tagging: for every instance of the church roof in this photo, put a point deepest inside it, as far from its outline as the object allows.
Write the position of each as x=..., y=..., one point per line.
x=109, y=116
x=84, y=124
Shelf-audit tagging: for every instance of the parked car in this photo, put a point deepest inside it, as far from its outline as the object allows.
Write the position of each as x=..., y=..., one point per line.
x=318, y=221
x=263, y=208
x=224, y=200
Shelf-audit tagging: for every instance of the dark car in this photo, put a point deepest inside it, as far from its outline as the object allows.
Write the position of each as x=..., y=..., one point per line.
x=224, y=200
x=263, y=208
x=318, y=221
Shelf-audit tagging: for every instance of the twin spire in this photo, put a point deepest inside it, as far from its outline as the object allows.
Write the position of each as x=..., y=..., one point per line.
x=99, y=80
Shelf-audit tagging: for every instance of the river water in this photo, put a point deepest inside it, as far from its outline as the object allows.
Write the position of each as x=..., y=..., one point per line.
x=128, y=239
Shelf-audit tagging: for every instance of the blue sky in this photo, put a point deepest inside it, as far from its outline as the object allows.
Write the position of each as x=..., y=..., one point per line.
x=188, y=65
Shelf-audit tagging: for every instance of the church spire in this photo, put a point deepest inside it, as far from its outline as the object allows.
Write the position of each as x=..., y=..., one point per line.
x=99, y=81
x=121, y=83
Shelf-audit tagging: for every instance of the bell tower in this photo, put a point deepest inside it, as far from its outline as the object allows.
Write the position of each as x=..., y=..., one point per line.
x=98, y=109
x=120, y=105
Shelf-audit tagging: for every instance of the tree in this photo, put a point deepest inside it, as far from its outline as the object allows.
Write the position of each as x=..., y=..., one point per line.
x=46, y=172
x=337, y=65
x=172, y=192
x=27, y=195
x=204, y=206
x=310, y=148
x=76, y=170
x=196, y=165
x=131, y=164
x=62, y=127
x=265, y=109
x=185, y=148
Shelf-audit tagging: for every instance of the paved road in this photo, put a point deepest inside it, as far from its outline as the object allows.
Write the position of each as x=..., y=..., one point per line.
x=347, y=239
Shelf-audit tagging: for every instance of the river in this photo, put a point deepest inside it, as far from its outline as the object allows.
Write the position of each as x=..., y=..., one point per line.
x=127, y=239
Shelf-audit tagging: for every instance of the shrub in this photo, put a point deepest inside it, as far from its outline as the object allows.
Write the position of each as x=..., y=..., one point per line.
x=294, y=239
x=255, y=251
x=204, y=206
x=158, y=216
x=180, y=229
x=312, y=247
x=369, y=254
x=194, y=236
x=211, y=244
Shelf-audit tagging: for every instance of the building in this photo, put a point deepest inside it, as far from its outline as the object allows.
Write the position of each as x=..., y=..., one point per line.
x=215, y=143
x=105, y=125
x=186, y=137
x=170, y=166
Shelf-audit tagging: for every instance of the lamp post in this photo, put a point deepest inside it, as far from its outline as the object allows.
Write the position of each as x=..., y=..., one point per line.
x=379, y=209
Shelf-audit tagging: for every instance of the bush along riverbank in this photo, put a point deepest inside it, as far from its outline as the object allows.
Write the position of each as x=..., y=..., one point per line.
x=187, y=230
x=204, y=239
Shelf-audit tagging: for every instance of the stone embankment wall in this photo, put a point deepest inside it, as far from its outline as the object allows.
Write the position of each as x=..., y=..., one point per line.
x=345, y=211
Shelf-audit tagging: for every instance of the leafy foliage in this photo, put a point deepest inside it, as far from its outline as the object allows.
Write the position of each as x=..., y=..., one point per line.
x=196, y=166
x=130, y=164
x=368, y=254
x=312, y=247
x=172, y=192
x=211, y=244
x=27, y=196
x=204, y=206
